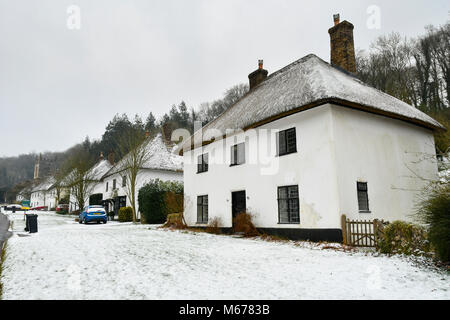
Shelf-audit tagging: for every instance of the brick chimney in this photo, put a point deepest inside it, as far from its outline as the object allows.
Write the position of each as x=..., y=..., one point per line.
x=111, y=157
x=258, y=76
x=342, y=45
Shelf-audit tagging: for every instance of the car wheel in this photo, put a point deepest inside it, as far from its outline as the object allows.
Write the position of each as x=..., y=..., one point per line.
x=80, y=221
x=98, y=222
x=85, y=221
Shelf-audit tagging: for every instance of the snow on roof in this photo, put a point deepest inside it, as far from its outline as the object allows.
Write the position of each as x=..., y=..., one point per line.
x=45, y=185
x=306, y=81
x=99, y=170
x=160, y=157
x=26, y=190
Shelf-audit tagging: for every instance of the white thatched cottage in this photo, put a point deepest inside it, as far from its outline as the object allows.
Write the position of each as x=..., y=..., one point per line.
x=93, y=181
x=307, y=144
x=42, y=195
x=161, y=163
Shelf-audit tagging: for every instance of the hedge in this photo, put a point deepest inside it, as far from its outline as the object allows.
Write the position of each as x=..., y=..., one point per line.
x=159, y=198
x=404, y=238
x=125, y=214
x=434, y=211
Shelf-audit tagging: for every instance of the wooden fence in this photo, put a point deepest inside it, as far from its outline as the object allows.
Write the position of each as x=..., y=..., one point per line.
x=362, y=233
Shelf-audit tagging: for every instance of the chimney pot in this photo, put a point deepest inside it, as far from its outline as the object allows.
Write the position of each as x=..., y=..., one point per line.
x=101, y=156
x=258, y=76
x=147, y=133
x=260, y=64
x=337, y=19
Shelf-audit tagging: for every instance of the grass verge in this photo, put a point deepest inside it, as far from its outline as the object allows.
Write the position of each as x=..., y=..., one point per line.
x=2, y=260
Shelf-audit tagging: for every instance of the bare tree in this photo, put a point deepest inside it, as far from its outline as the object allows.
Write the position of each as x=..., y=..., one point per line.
x=133, y=162
x=80, y=177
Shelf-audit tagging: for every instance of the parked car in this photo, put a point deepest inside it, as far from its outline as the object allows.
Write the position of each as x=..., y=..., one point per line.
x=93, y=214
x=13, y=207
x=62, y=208
x=43, y=208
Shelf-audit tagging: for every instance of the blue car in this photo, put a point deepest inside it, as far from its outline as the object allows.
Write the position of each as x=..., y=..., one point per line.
x=93, y=214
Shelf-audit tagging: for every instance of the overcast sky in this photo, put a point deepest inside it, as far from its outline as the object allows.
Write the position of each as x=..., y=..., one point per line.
x=59, y=84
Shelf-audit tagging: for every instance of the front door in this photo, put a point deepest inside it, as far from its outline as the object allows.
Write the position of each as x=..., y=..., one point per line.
x=239, y=203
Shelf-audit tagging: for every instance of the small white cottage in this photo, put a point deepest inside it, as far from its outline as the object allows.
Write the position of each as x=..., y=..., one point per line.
x=307, y=144
x=161, y=164
x=42, y=195
x=94, y=182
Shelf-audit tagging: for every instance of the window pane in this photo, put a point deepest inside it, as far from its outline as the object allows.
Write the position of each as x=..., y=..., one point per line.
x=233, y=155
x=205, y=212
x=293, y=192
x=291, y=140
x=282, y=142
x=362, y=186
x=241, y=153
x=294, y=211
x=199, y=213
x=282, y=193
x=205, y=162
x=363, y=197
x=283, y=211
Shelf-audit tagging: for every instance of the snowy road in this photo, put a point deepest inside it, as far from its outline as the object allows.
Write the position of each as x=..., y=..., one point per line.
x=66, y=260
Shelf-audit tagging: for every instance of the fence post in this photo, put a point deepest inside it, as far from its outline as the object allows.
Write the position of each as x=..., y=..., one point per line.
x=375, y=231
x=344, y=228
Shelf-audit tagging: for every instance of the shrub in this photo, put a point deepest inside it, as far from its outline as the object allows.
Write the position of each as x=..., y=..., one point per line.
x=126, y=214
x=434, y=211
x=214, y=226
x=157, y=199
x=404, y=238
x=243, y=223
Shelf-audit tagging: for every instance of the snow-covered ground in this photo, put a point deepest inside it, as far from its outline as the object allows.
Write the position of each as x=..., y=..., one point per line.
x=66, y=260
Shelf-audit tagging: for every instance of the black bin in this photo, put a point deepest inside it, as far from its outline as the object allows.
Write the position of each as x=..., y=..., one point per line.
x=31, y=224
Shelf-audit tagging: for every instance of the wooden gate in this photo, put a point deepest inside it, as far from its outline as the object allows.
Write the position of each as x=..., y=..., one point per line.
x=362, y=233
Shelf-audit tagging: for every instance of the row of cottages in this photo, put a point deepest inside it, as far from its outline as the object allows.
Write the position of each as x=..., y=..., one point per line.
x=307, y=144
x=108, y=181
x=44, y=194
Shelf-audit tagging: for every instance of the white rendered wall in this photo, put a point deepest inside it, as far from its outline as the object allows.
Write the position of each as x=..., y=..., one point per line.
x=337, y=147
x=311, y=168
x=395, y=158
